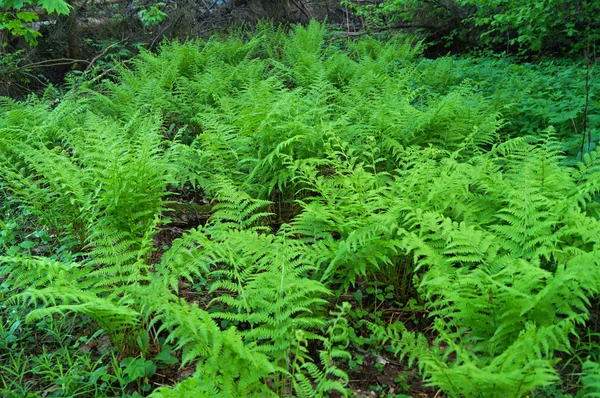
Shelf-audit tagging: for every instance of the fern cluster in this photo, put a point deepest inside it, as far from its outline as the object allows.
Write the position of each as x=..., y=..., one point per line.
x=325, y=164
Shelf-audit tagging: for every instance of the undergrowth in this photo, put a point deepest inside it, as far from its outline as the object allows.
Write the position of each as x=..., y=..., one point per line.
x=328, y=170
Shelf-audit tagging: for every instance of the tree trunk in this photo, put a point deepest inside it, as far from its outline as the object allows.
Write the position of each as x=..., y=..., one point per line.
x=73, y=48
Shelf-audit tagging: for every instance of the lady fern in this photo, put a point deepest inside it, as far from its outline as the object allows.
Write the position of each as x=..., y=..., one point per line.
x=591, y=379
x=378, y=169
x=311, y=381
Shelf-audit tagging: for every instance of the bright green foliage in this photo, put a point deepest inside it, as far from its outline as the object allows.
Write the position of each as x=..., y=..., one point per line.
x=88, y=179
x=225, y=366
x=591, y=379
x=327, y=168
x=93, y=185
x=508, y=292
x=331, y=378
x=530, y=97
x=153, y=16
x=16, y=14
x=510, y=260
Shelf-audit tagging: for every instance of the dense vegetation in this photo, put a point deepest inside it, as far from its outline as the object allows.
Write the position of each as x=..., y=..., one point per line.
x=531, y=27
x=256, y=216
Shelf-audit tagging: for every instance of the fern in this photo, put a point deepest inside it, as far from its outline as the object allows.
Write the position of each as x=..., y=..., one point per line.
x=261, y=279
x=591, y=379
x=328, y=164
x=332, y=378
x=56, y=287
x=226, y=366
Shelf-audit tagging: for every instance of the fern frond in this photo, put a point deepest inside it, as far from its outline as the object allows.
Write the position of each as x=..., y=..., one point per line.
x=591, y=379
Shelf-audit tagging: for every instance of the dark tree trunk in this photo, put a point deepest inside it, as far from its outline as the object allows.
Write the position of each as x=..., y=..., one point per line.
x=73, y=48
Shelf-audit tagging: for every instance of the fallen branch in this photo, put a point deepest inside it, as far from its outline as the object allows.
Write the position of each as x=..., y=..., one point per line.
x=101, y=55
